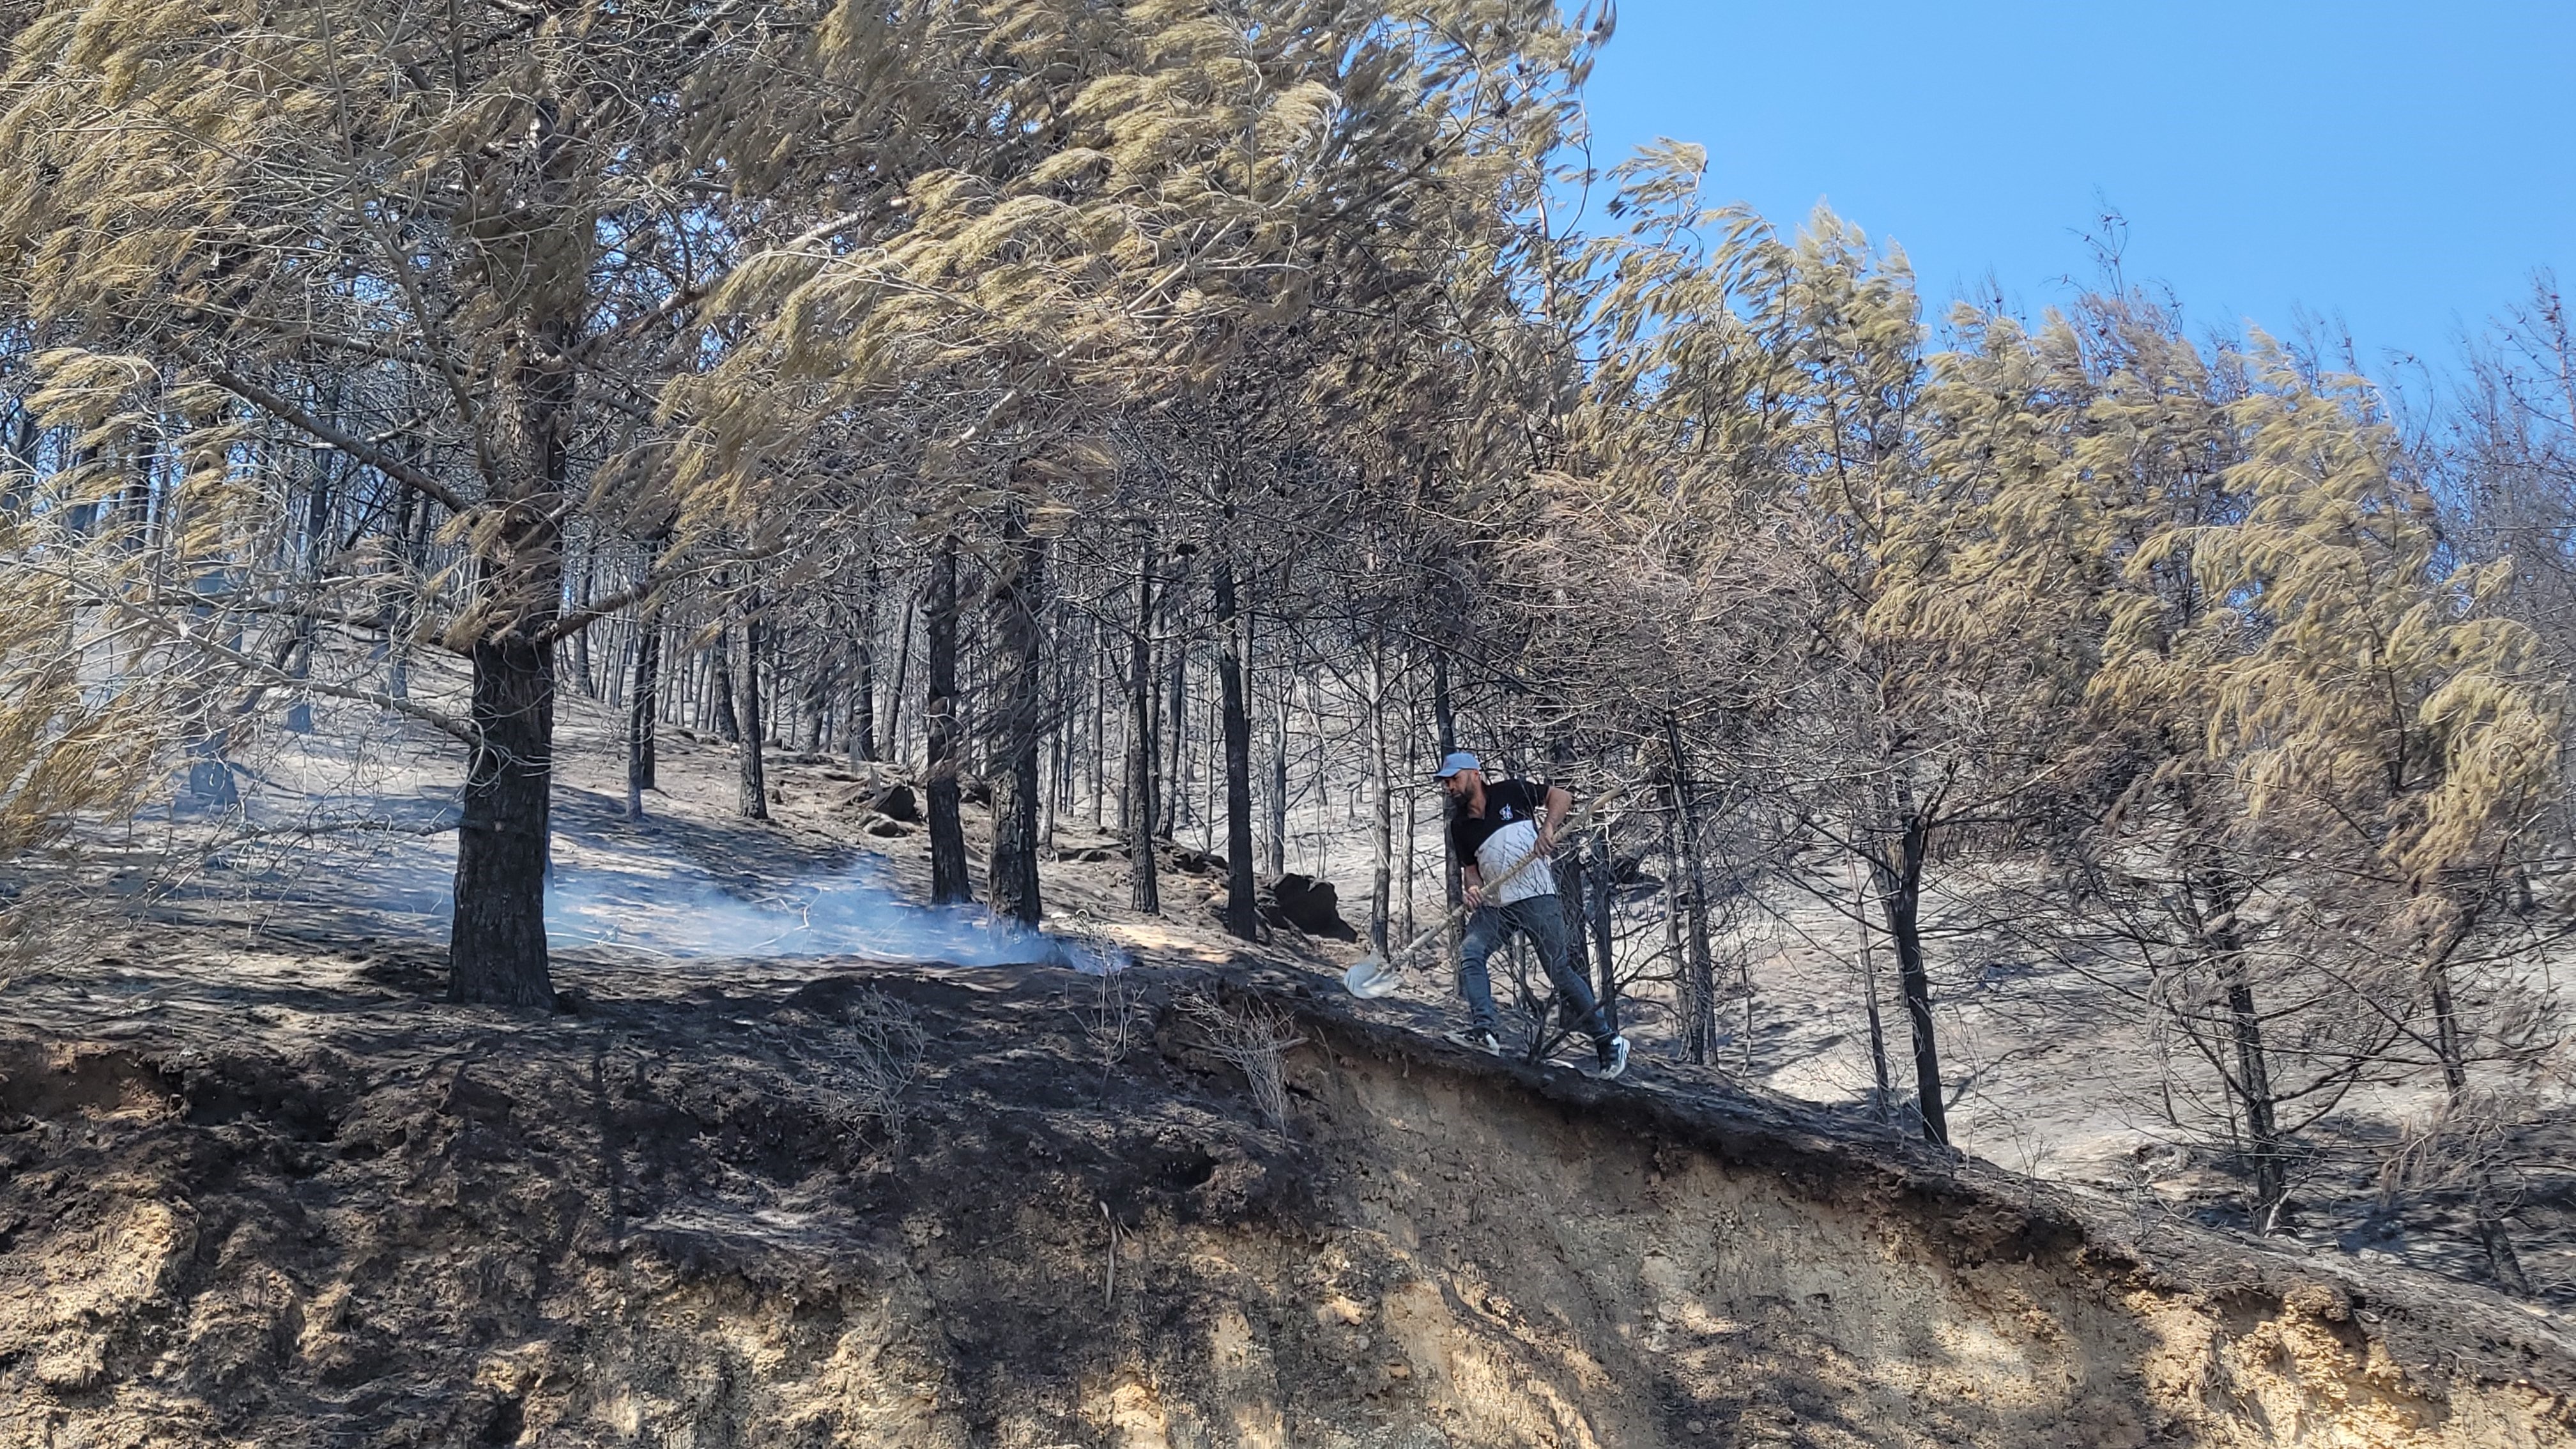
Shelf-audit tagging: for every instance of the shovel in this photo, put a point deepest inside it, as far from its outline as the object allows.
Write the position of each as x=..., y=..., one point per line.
x=1377, y=974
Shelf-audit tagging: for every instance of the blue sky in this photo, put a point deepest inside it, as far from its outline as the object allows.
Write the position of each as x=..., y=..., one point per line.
x=2402, y=167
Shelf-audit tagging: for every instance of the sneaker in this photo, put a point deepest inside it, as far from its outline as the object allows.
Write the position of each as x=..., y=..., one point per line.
x=1477, y=1040
x=1613, y=1060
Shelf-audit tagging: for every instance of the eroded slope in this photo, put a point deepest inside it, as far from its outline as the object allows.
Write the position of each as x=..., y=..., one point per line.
x=254, y=1196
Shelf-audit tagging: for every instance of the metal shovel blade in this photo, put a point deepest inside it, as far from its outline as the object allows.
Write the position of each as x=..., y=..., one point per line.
x=1372, y=978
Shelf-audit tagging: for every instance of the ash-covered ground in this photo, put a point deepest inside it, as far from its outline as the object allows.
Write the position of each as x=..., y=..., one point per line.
x=776, y=1174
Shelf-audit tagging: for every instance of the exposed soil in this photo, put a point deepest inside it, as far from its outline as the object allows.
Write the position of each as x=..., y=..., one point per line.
x=262, y=1194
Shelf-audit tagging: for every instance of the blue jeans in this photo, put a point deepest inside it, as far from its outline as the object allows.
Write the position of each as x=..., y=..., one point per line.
x=1542, y=920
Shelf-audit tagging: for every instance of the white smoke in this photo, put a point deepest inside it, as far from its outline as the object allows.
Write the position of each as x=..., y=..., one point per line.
x=361, y=824
x=669, y=909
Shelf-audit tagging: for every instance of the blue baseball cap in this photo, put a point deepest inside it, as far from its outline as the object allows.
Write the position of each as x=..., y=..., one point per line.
x=1453, y=762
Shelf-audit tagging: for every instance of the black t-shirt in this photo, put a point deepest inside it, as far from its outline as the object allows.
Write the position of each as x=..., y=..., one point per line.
x=1506, y=801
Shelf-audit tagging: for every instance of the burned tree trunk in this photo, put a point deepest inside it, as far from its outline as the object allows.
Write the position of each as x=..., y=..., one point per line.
x=1603, y=879
x=395, y=598
x=814, y=705
x=316, y=550
x=1382, y=818
x=640, y=714
x=948, y=880
x=752, y=799
x=1172, y=774
x=2253, y=1084
x=581, y=641
x=1016, y=597
x=902, y=681
x=1241, y=916
x=2213, y=896
x=1142, y=891
x=1279, y=782
x=1099, y=661
x=1573, y=884
x=721, y=690
x=1060, y=729
x=1210, y=747
x=1882, y=1084
x=1453, y=880
x=299, y=667
x=1699, y=971
x=1896, y=867
x=1699, y=980
x=2486, y=1197
x=863, y=690
x=1573, y=899
x=497, y=934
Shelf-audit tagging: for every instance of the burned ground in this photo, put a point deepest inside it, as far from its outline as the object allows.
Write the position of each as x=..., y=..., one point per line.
x=259, y=1184
x=259, y=1192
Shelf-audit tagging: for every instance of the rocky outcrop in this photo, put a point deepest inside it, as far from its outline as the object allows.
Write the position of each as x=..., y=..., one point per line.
x=1312, y=906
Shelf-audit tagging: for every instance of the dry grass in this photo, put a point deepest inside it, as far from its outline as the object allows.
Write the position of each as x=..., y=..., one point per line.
x=862, y=1059
x=1113, y=1019
x=1256, y=1037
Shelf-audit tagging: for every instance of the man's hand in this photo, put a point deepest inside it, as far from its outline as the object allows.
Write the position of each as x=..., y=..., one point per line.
x=1474, y=895
x=1559, y=801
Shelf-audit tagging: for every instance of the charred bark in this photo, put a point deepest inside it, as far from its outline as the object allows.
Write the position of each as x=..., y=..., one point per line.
x=1699, y=971
x=902, y=680
x=1143, y=892
x=721, y=690
x=1882, y=1084
x=1603, y=878
x=1453, y=880
x=316, y=550
x=2215, y=898
x=948, y=878
x=1242, y=917
x=397, y=594
x=2486, y=1196
x=1382, y=814
x=1279, y=784
x=752, y=796
x=1098, y=660
x=863, y=689
x=581, y=640
x=1573, y=901
x=640, y=716
x=1171, y=777
x=1896, y=869
x=497, y=936
x=1016, y=601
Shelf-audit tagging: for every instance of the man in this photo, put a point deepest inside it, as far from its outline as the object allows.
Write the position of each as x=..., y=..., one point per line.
x=1494, y=827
